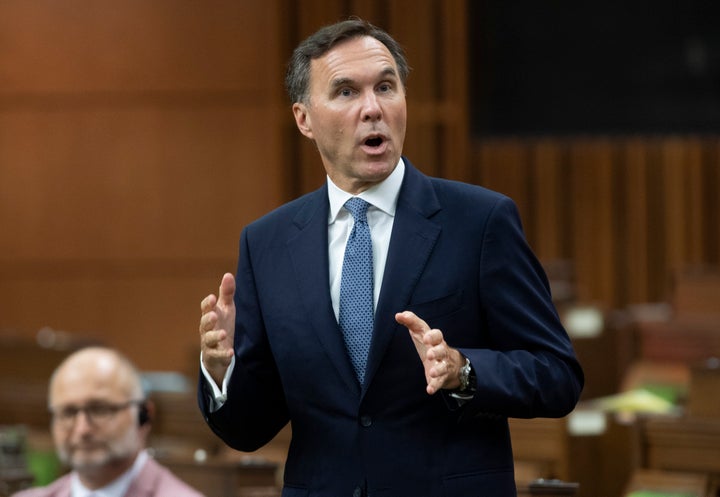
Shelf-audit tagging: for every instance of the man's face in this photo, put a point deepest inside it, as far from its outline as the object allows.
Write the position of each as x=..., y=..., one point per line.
x=356, y=113
x=103, y=434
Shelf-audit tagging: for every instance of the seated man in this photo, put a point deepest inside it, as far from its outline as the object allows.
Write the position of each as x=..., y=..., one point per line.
x=100, y=424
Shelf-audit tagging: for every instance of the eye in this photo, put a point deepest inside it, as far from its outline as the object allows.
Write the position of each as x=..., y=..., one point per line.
x=385, y=87
x=101, y=410
x=345, y=92
x=67, y=413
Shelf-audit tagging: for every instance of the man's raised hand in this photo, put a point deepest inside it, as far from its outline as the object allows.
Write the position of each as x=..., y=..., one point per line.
x=217, y=328
x=441, y=362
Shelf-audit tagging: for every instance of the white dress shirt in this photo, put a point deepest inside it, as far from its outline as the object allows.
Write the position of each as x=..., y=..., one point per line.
x=381, y=215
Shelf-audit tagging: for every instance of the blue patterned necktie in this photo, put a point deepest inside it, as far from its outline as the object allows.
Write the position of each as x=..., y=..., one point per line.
x=356, y=288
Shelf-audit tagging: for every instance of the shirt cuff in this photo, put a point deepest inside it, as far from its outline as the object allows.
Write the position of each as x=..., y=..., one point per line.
x=218, y=395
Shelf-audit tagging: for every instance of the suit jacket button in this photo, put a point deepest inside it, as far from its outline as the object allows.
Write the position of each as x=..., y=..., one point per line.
x=366, y=421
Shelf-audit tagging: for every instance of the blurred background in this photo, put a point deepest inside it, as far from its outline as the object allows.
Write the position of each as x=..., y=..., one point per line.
x=138, y=137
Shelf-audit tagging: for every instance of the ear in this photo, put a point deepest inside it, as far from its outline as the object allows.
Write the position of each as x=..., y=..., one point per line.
x=302, y=119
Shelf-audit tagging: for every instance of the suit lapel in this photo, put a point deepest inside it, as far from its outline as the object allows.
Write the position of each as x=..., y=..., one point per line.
x=413, y=238
x=308, y=249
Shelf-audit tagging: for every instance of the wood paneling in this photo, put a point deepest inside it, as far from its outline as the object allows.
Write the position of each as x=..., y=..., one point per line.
x=628, y=212
x=136, y=139
x=133, y=182
x=137, y=46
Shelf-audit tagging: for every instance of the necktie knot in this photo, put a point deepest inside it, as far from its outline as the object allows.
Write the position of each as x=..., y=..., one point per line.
x=358, y=208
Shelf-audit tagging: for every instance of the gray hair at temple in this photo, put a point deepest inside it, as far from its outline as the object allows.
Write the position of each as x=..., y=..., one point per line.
x=297, y=78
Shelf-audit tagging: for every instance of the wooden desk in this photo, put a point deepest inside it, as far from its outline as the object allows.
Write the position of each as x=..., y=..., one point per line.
x=543, y=444
x=682, y=339
x=682, y=444
x=600, y=457
x=674, y=482
x=696, y=290
x=703, y=399
x=548, y=488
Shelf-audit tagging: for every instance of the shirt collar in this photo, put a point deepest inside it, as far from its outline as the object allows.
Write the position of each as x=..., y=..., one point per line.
x=383, y=196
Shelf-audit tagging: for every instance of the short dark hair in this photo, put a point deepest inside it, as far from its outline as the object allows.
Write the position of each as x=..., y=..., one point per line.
x=297, y=78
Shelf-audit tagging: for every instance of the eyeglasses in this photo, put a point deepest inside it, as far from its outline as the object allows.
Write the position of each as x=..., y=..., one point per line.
x=96, y=413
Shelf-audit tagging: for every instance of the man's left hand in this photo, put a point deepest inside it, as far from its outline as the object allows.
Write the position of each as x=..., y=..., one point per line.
x=442, y=363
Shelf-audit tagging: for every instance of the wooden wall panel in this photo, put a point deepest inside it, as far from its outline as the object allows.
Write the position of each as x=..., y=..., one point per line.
x=136, y=46
x=508, y=173
x=591, y=197
x=548, y=200
x=132, y=183
x=627, y=212
x=136, y=139
x=153, y=319
x=633, y=265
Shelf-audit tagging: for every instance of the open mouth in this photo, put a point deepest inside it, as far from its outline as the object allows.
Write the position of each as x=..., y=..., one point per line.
x=374, y=142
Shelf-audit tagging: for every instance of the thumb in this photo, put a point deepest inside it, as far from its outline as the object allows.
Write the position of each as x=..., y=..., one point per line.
x=227, y=289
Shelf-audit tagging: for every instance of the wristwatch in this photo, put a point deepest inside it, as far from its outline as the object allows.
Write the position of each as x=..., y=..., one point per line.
x=464, y=376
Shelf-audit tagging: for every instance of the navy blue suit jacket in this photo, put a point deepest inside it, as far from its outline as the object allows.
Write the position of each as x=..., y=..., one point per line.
x=459, y=260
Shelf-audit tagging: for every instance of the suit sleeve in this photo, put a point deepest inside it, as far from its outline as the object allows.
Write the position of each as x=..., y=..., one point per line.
x=529, y=369
x=255, y=409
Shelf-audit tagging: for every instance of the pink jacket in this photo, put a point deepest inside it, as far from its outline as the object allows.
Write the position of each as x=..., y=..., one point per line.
x=153, y=481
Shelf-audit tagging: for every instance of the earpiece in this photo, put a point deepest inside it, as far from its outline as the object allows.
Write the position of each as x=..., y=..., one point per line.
x=143, y=414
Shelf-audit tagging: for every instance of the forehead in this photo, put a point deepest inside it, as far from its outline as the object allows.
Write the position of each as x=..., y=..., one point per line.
x=353, y=59
x=85, y=380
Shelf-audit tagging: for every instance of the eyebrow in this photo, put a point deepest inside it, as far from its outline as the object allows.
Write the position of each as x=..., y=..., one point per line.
x=340, y=82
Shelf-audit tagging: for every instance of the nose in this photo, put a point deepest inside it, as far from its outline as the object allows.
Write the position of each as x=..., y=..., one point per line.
x=82, y=422
x=371, y=111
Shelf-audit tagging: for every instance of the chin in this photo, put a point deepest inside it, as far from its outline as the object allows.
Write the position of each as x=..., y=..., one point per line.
x=90, y=461
x=380, y=166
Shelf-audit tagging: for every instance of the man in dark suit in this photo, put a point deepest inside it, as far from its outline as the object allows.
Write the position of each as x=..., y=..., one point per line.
x=380, y=411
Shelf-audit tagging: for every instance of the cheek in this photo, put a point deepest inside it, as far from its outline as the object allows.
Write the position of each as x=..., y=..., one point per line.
x=401, y=118
x=59, y=436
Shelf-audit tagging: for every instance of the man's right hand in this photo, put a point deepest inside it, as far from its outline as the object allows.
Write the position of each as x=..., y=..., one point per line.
x=217, y=328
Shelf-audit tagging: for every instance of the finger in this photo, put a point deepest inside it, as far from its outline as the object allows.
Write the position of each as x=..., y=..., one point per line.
x=208, y=322
x=208, y=303
x=436, y=353
x=213, y=338
x=433, y=337
x=227, y=289
x=439, y=369
x=433, y=386
x=412, y=322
